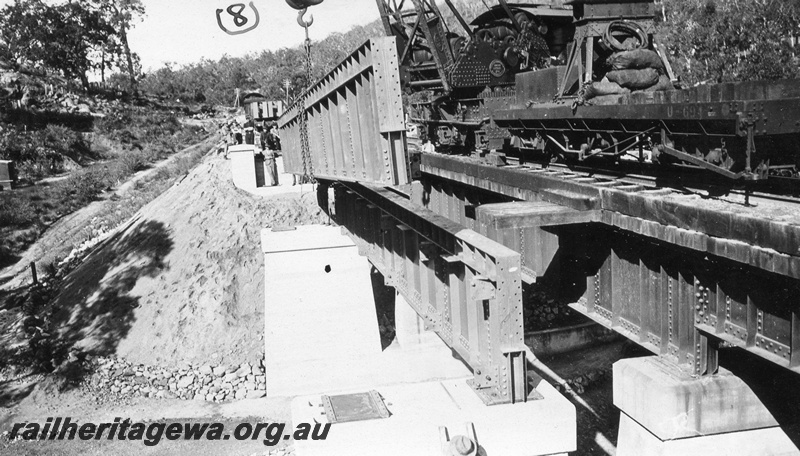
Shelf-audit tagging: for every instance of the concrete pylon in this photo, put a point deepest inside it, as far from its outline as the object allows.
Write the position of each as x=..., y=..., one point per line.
x=319, y=315
x=243, y=165
x=410, y=332
x=665, y=412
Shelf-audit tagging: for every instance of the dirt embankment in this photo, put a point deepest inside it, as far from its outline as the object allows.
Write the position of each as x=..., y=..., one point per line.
x=184, y=281
x=72, y=230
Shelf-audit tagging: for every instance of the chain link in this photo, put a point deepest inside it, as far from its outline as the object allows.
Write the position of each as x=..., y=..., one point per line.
x=305, y=151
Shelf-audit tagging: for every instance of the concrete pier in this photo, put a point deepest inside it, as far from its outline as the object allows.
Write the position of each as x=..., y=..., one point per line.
x=321, y=338
x=319, y=311
x=667, y=412
x=541, y=427
x=243, y=165
x=321, y=327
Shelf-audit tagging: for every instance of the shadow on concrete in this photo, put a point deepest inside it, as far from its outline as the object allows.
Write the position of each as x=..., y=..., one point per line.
x=775, y=386
x=384, y=296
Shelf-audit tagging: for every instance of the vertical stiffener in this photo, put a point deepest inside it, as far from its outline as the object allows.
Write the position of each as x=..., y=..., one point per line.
x=354, y=114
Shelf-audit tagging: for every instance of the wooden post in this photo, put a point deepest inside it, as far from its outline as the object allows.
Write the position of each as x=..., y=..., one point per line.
x=33, y=273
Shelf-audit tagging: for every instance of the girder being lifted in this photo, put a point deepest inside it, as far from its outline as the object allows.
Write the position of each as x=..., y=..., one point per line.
x=352, y=113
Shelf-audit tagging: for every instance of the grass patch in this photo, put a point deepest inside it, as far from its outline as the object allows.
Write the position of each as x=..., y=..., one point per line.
x=128, y=141
x=45, y=152
x=144, y=191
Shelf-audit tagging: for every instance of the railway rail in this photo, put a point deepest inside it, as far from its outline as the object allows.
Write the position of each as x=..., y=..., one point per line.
x=699, y=186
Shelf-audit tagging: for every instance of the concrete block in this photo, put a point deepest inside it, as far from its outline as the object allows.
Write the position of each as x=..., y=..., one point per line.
x=243, y=165
x=319, y=309
x=6, y=174
x=673, y=404
x=410, y=332
x=635, y=440
x=542, y=427
x=321, y=328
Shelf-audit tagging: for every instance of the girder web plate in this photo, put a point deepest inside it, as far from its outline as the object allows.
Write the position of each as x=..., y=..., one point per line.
x=355, y=121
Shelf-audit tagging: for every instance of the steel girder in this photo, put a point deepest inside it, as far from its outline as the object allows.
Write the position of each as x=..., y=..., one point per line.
x=355, y=121
x=465, y=286
x=678, y=292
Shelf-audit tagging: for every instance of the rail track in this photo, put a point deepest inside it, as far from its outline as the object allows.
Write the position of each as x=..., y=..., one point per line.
x=675, y=183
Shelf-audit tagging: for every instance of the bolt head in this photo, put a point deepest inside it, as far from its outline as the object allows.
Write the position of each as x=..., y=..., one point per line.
x=462, y=445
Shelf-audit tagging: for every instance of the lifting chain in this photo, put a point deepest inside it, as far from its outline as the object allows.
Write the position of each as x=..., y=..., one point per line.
x=305, y=151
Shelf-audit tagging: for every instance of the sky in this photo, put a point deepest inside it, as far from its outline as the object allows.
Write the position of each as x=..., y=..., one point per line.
x=184, y=31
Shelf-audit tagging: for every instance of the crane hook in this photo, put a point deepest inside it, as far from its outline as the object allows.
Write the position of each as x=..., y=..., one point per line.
x=300, y=4
x=303, y=23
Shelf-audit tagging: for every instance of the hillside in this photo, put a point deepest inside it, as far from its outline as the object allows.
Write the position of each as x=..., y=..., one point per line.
x=70, y=147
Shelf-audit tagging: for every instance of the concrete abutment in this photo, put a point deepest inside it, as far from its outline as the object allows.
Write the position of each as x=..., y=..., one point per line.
x=321, y=338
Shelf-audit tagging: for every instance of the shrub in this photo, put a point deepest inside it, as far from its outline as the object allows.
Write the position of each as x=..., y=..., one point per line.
x=144, y=135
x=136, y=125
x=732, y=40
x=83, y=187
x=16, y=211
x=133, y=161
x=40, y=153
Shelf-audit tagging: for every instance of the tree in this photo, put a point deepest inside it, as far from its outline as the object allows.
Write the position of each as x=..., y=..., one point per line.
x=59, y=37
x=73, y=37
x=732, y=40
x=121, y=13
